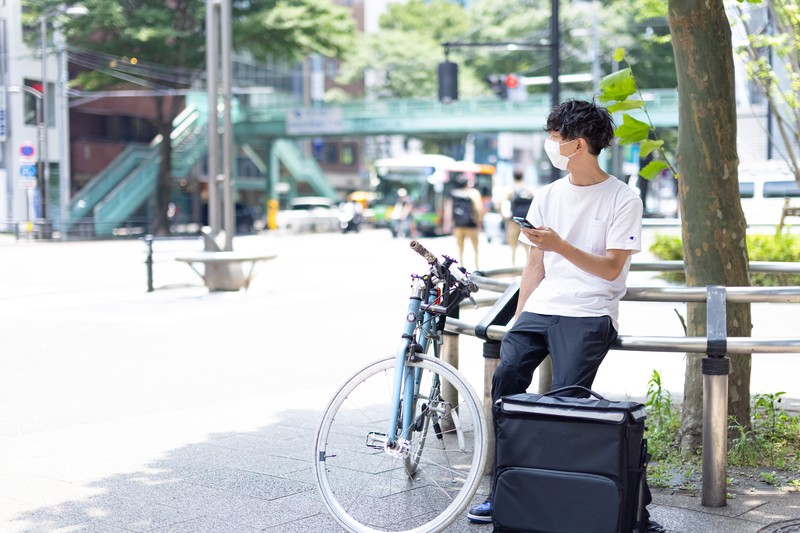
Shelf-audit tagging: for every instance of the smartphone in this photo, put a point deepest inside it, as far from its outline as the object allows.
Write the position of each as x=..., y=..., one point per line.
x=523, y=222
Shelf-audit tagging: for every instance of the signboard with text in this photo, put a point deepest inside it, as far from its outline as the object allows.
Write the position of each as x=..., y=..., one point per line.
x=314, y=121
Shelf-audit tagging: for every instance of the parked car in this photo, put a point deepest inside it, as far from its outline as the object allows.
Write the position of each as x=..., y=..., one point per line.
x=764, y=188
x=310, y=213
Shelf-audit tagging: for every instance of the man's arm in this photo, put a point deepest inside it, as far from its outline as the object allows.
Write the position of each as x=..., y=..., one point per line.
x=532, y=275
x=607, y=266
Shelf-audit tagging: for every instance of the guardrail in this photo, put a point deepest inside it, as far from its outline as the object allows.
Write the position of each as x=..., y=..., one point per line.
x=717, y=345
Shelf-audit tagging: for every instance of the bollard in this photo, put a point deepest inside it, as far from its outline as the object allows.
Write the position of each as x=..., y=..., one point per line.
x=449, y=354
x=716, y=367
x=148, y=240
x=545, y=375
x=491, y=358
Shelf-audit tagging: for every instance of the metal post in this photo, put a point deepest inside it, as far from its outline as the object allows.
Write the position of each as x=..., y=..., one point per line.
x=43, y=192
x=555, y=67
x=229, y=219
x=491, y=358
x=212, y=48
x=148, y=241
x=545, y=375
x=449, y=354
x=716, y=367
x=62, y=135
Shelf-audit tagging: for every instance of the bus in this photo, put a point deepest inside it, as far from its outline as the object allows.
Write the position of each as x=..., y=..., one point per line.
x=427, y=180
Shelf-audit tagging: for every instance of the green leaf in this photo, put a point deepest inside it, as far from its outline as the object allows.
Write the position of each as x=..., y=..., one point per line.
x=652, y=169
x=632, y=130
x=617, y=86
x=619, y=54
x=626, y=106
x=648, y=146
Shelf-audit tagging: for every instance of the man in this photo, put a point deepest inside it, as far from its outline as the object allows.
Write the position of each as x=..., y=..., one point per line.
x=467, y=215
x=588, y=224
x=517, y=205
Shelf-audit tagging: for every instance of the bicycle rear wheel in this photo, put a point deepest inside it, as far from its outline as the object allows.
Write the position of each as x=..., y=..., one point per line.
x=365, y=483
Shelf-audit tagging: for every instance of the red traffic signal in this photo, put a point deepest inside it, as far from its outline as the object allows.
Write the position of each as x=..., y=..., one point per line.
x=512, y=81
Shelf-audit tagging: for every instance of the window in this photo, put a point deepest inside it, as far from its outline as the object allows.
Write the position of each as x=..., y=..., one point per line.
x=747, y=189
x=781, y=189
x=347, y=155
x=330, y=153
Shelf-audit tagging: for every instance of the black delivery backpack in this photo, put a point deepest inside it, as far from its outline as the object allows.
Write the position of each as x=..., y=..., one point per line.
x=568, y=464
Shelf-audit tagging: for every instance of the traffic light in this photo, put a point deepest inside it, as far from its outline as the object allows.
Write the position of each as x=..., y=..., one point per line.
x=498, y=85
x=507, y=86
x=448, y=81
x=512, y=81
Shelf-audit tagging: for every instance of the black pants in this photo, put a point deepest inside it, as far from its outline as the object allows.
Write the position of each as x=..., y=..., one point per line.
x=577, y=346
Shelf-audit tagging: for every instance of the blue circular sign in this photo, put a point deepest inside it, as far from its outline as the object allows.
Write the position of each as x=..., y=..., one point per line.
x=26, y=150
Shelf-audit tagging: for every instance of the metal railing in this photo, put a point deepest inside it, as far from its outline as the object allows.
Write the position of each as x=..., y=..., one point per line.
x=717, y=345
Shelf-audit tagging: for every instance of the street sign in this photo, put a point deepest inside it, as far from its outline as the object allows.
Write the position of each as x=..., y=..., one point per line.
x=27, y=171
x=314, y=121
x=27, y=176
x=27, y=152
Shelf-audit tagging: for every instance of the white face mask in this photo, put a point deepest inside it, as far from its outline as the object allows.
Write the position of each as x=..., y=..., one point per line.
x=553, y=150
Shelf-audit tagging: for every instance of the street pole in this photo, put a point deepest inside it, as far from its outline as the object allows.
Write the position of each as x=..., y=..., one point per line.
x=62, y=135
x=45, y=189
x=212, y=48
x=227, y=125
x=64, y=169
x=555, y=67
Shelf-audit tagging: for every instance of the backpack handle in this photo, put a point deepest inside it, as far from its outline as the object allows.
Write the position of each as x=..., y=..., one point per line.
x=574, y=387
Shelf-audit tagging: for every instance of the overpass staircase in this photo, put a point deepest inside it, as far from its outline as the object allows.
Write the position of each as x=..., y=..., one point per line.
x=120, y=190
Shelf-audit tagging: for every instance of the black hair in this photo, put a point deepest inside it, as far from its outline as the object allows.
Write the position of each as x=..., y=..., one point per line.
x=578, y=118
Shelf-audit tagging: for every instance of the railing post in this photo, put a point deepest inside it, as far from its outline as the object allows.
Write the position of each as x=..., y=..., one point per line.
x=716, y=367
x=449, y=354
x=148, y=240
x=491, y=358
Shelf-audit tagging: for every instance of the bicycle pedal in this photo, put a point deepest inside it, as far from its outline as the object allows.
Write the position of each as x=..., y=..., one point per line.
x=376, y=440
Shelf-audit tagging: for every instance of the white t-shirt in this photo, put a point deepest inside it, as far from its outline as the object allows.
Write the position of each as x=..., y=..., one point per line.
x=593, y=218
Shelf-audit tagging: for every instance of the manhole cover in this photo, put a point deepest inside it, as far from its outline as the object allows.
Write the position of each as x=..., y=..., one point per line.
x=790, y=526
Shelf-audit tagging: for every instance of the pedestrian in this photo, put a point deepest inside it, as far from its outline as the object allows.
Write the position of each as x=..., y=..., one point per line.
x=403, y=224
x=588, y=224
x=517, y=205
x=467, y=215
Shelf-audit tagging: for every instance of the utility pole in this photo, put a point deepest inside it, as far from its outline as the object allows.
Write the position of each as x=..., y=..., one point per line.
x=555, y=67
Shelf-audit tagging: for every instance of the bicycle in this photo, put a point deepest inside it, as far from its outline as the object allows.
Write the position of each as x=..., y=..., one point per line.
x=372, y=466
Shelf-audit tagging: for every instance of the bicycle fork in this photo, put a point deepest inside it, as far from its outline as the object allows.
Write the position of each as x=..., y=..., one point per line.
x=406, y=378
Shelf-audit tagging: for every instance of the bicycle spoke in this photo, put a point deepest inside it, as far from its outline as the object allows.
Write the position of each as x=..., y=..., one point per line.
x=369, y=488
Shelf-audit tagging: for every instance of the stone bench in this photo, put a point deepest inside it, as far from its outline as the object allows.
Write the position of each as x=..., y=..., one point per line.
x=224, y=271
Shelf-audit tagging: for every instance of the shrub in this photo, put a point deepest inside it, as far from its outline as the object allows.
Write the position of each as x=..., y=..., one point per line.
x=781, y=247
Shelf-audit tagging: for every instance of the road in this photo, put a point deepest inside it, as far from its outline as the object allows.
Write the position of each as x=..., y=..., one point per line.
x=100, y=378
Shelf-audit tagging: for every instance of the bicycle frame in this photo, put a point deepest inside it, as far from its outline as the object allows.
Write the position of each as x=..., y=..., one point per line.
x=406, y=380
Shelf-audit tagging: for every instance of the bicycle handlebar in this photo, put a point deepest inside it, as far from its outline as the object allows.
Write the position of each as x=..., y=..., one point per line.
x=431, y=259
x=421, y=250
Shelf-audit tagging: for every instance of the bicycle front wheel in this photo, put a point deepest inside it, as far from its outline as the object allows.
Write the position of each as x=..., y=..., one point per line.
x=363, y=479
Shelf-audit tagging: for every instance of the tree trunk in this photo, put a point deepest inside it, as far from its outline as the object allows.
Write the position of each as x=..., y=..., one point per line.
x=166, y=111
x=713, y=224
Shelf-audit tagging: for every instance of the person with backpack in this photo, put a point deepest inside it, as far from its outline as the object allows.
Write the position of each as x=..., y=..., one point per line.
x=517, y=205
x=467, y=215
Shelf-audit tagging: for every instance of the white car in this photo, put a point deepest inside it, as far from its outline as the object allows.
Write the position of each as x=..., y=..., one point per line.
x=310, y=213
x=764, y=188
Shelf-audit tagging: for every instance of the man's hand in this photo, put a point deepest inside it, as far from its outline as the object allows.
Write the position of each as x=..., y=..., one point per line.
x=545, y=239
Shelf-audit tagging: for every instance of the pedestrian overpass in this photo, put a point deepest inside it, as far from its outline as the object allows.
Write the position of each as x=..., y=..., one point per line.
x=425, y=116
x=263, y=133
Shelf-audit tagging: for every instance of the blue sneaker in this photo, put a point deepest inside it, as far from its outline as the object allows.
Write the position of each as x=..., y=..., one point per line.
x=481, y=513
